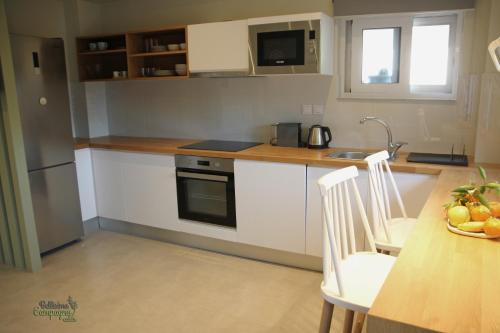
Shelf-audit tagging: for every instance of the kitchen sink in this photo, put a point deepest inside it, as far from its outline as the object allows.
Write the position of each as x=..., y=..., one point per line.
x=349, y=155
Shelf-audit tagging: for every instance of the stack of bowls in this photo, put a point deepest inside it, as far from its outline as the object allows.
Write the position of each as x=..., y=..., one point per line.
x=181, y=69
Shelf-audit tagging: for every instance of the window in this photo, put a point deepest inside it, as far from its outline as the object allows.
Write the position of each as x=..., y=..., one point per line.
x=380, y=63
x=431, y=71
x=400, y=56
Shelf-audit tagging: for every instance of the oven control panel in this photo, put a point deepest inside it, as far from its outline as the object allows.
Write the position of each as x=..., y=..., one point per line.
x=204, y=163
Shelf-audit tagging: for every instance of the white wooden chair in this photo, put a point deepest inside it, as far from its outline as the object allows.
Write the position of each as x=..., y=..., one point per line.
x=390, y=233
x=351, y=279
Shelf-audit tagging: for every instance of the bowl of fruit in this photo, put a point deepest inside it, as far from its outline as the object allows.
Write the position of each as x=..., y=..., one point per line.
x=472, y=212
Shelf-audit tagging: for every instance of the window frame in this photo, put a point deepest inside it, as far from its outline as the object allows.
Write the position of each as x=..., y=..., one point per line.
x=358, y=27
x=452, y=21
x=350, y=45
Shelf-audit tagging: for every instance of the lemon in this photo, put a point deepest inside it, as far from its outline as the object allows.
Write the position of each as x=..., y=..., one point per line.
x=458, y=215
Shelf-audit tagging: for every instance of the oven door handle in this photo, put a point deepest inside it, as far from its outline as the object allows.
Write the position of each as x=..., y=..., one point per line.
x=202, y=176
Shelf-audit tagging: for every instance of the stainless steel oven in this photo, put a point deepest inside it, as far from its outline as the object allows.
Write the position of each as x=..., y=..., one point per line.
x=205, y=190
x=291, y=47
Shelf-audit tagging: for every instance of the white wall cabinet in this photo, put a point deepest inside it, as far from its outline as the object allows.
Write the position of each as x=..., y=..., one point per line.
x=270, y=204
x=218, y=47
x=85, y=176
x=414, y=189
x=136, y=187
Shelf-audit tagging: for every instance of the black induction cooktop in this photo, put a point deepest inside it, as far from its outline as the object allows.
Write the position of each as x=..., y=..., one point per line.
x=220, y=145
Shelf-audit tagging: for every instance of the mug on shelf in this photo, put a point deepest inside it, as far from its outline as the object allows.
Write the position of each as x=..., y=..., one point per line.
x=92, y=46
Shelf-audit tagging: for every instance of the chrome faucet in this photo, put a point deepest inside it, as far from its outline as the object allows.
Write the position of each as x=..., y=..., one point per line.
x=392, y=147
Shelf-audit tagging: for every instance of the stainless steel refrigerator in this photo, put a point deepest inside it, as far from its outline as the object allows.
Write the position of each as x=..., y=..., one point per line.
x=42, y=90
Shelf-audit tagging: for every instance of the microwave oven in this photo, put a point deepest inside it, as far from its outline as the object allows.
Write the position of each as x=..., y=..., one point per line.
x=291, y=44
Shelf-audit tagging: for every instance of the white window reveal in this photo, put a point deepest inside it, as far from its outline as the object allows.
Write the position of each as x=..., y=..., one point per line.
x=410, y=56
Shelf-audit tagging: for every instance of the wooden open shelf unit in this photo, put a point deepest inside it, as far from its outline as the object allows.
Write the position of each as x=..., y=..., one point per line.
x=131, y=52
x=103, y=52
x=96, y=65
x=140, y=55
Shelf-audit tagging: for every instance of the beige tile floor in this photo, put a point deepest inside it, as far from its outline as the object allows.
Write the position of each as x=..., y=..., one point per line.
x=129, y=284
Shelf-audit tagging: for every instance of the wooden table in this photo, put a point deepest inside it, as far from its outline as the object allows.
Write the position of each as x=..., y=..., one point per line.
x=441, y=281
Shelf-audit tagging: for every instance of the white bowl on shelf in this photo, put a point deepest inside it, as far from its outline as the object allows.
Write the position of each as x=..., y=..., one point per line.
x=173, y=47
x=101, y=46
x=181, y=69
x=164, y=72
x=158, y=48
x=181, y=72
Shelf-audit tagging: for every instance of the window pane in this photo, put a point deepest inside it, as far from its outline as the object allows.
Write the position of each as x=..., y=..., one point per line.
x=429, y=55
x=381, y=55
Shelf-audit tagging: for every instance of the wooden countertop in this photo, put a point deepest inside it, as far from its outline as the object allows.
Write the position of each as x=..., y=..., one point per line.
x=264, y=152
x=441, y=281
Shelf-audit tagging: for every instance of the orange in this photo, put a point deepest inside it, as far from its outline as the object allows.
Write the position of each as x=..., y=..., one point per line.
x=492, y=227
x=495, y=208
x=479, y=212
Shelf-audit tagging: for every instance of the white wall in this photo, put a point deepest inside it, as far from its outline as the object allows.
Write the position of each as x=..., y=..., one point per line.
x=488, y=127
x=243, y=108
x=36, y=18
x=97, y=114
x=126, y=15
x=362, y=7
x=236, y=108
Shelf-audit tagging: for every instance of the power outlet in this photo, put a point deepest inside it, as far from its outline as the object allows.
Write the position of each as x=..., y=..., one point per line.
x=318, y=109
x=307, y=109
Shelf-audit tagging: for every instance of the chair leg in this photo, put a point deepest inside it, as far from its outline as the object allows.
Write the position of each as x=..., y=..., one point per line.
x=326, y=317
x=358, y=324
x=349, y=317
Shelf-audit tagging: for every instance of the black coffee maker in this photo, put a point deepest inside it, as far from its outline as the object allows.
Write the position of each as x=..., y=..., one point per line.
x=287, y=135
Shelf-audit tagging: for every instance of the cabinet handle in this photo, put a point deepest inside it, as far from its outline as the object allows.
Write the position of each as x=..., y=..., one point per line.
x=202, y=176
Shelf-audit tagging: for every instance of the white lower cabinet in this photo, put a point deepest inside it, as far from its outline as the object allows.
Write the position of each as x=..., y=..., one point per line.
x=150, y=189
x=141, y=188
x=270, y=204
x=109, y=189
x=136, y=187
x=414, y=189
x=85, y=176
x=271, y=198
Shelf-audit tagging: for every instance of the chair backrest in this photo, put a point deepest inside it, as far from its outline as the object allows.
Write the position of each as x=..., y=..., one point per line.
x=379, y=194
x=338, y=227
